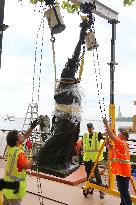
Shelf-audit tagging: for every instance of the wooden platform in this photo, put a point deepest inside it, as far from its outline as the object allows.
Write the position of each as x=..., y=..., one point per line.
x=73, y=179
x=55, y=193
x=59, y=193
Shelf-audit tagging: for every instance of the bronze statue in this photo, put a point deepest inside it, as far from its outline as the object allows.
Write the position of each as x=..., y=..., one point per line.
x=55, y=155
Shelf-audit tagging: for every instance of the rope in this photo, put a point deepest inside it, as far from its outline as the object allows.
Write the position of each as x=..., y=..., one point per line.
x=82, y=63
x=69, y=82
x=54, y=61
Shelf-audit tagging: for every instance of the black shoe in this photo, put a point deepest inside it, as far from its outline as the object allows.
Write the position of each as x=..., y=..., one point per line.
x=101, y=195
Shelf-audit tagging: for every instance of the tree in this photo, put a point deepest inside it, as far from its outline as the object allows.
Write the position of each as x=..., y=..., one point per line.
x=72, y=7
x=128, y=2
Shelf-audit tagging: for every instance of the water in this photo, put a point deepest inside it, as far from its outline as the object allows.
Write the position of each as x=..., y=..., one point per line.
x=11, y=125
x=98, y=126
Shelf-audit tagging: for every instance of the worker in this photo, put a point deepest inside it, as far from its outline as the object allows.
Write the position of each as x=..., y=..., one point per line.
x=9, y=185
x=91, y=147
x=28, y=148
x=16, y=165
x=120, y=162
x=78, y=146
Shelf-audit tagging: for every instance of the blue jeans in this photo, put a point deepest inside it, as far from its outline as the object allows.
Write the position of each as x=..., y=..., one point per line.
x=123, y=188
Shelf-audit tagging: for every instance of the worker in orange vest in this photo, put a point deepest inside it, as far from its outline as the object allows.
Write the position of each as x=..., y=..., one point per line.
x=120, y=162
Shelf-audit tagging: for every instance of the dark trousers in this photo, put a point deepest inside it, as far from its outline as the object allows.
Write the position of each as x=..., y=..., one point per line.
x=88, y=166
x=123, y=188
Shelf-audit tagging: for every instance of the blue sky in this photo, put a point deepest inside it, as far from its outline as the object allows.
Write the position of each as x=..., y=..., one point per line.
x=18, y=60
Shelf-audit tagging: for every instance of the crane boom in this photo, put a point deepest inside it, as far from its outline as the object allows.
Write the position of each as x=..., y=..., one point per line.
x=101, y=9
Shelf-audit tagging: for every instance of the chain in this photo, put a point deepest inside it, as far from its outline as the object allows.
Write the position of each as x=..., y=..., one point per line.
x=39, y=186
x=41, y=6
x=40, y=71
x=99, y=87
x=42, y=25
x=98, y=76
x=86, y=9
x=35, y=60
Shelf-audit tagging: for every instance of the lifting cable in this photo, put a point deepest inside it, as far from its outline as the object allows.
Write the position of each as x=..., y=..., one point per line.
x=101, y=100
x=40, y=63
x=36, y=105
x=42, y=25
x=98, y=78
x=96, y=62
x=99, y=84
x=87, y=8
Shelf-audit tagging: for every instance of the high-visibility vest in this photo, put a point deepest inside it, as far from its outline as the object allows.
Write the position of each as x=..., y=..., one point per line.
x=11, y=174
x=91, y=152
x=1, y=198
x=120, y=160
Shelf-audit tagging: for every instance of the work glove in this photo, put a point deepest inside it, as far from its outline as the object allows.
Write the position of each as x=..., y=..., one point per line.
x=34, y=123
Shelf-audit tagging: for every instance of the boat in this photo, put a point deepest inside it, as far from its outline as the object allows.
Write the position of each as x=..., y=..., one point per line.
x=9, y=118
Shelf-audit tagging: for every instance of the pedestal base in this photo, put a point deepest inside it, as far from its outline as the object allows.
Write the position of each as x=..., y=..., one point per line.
x=62, y=172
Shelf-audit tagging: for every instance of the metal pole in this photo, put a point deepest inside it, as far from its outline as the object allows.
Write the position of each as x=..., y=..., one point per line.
x=112, y=63
x=112, y=105
x=112, y=70
x=2, y=4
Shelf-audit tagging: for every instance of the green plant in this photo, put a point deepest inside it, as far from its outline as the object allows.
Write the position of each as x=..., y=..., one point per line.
x=35, y=1
x=72, y=7
x=128, y=2
x=69, y=6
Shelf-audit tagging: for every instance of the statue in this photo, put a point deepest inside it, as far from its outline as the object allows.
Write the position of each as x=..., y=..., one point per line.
x=54, y=157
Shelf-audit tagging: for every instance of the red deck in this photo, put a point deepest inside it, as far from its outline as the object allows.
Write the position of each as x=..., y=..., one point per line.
x=55, y=193
x=73, y=179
